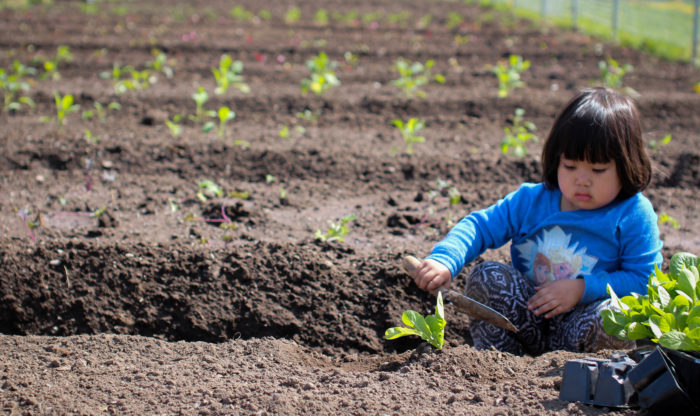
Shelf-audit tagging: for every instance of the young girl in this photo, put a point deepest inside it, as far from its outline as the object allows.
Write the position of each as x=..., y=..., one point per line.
x=585, y=226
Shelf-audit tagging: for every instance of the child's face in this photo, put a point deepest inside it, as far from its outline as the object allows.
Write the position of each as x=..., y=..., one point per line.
x=586, y=185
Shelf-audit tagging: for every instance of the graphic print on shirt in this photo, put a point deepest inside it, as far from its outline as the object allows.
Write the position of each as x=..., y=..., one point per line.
x=551, y=257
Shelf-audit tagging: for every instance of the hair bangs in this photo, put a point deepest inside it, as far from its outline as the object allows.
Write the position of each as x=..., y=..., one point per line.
x=587, y=136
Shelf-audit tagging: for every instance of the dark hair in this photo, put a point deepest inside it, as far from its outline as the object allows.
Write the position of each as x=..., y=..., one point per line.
x=599, y=125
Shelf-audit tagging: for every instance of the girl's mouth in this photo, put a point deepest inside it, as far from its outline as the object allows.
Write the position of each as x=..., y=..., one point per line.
x=583, y=197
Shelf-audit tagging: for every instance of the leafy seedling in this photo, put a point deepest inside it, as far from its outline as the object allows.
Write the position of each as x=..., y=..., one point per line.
x=508, y=74
x=64, y=106
x=63, y=54
x=322, y=76
x=409, y=132
x=336, y=231
x=669, y=314
x=665, y=218
x=100, y=111
x=29, y=224
x=228, y=74
x=321, y=17
x=200, y=97
x=292, y=15
x=445, y=189
x=161, y=63
x=518, y=135
x=208, y=189
x=224, y=115
x=239, y=12
x=413, y=76
x=430, y=328
x=174, y=125
x=612, y=73
x=12, y=87
x=656, y=145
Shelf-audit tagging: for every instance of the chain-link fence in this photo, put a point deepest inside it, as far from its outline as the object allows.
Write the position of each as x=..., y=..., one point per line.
x=665, y=27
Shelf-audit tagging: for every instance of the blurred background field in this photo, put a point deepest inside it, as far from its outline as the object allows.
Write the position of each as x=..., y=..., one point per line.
x=667, y=28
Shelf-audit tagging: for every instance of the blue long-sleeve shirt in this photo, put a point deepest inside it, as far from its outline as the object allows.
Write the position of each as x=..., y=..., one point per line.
x=616, y=244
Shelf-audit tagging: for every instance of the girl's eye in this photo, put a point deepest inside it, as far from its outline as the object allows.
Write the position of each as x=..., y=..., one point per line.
x=569, y=167
x=599, y=170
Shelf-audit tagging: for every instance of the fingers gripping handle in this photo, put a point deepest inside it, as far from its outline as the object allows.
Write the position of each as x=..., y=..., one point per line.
x=411, y=264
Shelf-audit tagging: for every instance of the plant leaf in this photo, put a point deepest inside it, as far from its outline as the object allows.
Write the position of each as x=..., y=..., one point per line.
x=400, y=331
x=672, y=339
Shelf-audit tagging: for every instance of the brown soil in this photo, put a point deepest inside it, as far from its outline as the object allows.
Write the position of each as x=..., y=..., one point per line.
x=152, y=308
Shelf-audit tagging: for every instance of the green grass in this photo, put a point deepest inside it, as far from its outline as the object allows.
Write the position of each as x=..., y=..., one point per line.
x=661, y=28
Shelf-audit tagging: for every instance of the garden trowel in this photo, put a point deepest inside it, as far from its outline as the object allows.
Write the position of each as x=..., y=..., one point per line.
x=474, y=309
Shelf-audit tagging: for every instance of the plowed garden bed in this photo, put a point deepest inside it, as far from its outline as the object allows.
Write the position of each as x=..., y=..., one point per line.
x=151, y=307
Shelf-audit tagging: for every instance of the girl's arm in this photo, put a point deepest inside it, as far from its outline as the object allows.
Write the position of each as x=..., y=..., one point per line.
x=488, y=228
x=640, y=250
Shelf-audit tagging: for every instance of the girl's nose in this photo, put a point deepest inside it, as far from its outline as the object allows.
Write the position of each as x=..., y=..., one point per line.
x=582, y=178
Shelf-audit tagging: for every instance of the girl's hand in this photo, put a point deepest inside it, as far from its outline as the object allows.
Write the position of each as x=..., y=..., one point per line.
x=556, y=297
x=431, y=274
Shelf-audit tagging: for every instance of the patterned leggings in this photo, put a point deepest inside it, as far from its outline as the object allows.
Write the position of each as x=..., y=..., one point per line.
x=506, y=290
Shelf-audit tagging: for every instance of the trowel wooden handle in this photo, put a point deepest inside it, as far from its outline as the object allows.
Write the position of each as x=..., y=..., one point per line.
x=410, y=264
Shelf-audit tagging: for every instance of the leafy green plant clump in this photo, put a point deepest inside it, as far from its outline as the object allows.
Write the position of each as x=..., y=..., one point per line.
x=669, y=314
x=518, y=135
x=430, y=328
x=322, y=76
x=508, y=74
x=409, y=132
x=336, y=230
x=413, y=76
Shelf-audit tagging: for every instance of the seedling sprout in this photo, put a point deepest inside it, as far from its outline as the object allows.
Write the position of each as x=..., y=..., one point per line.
x=518, y=135
x=336, y=231
x=409, y=130
x=508, y=74
x=322, y=76
x=430, y=328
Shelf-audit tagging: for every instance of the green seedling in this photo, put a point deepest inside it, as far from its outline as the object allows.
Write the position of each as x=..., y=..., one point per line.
x=64, y=106
x=309, y=116
x=508, y=74
x=265, y=14
x=425, y=21
x=611, y=73
x=445, y=189
x=29, y=224
x=350, y=18
x=285, y=132
x=409, y=132
x=292, y=15
x=454, y=20
x=430, y=328
x=228, y=74
x=161, y=63
x=90, y=137
x=656, y=145
x=370, y=17
x=665, y=218
x=100, y=111
x=174, y=125
x=63, y=54
x=413, y=76
x=200, y=97
x=322, y=77
x=399, y=19
x=669, y=314
x=518, y=135
x=239, y=12
x=224, y=115
x=321, y=17
x=12, y=87
x=696, y=87
x=208, y=189
x=336, y=230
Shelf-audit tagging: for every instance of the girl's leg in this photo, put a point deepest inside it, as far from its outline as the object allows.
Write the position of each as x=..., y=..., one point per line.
x=506, y=290
x=581, y=330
